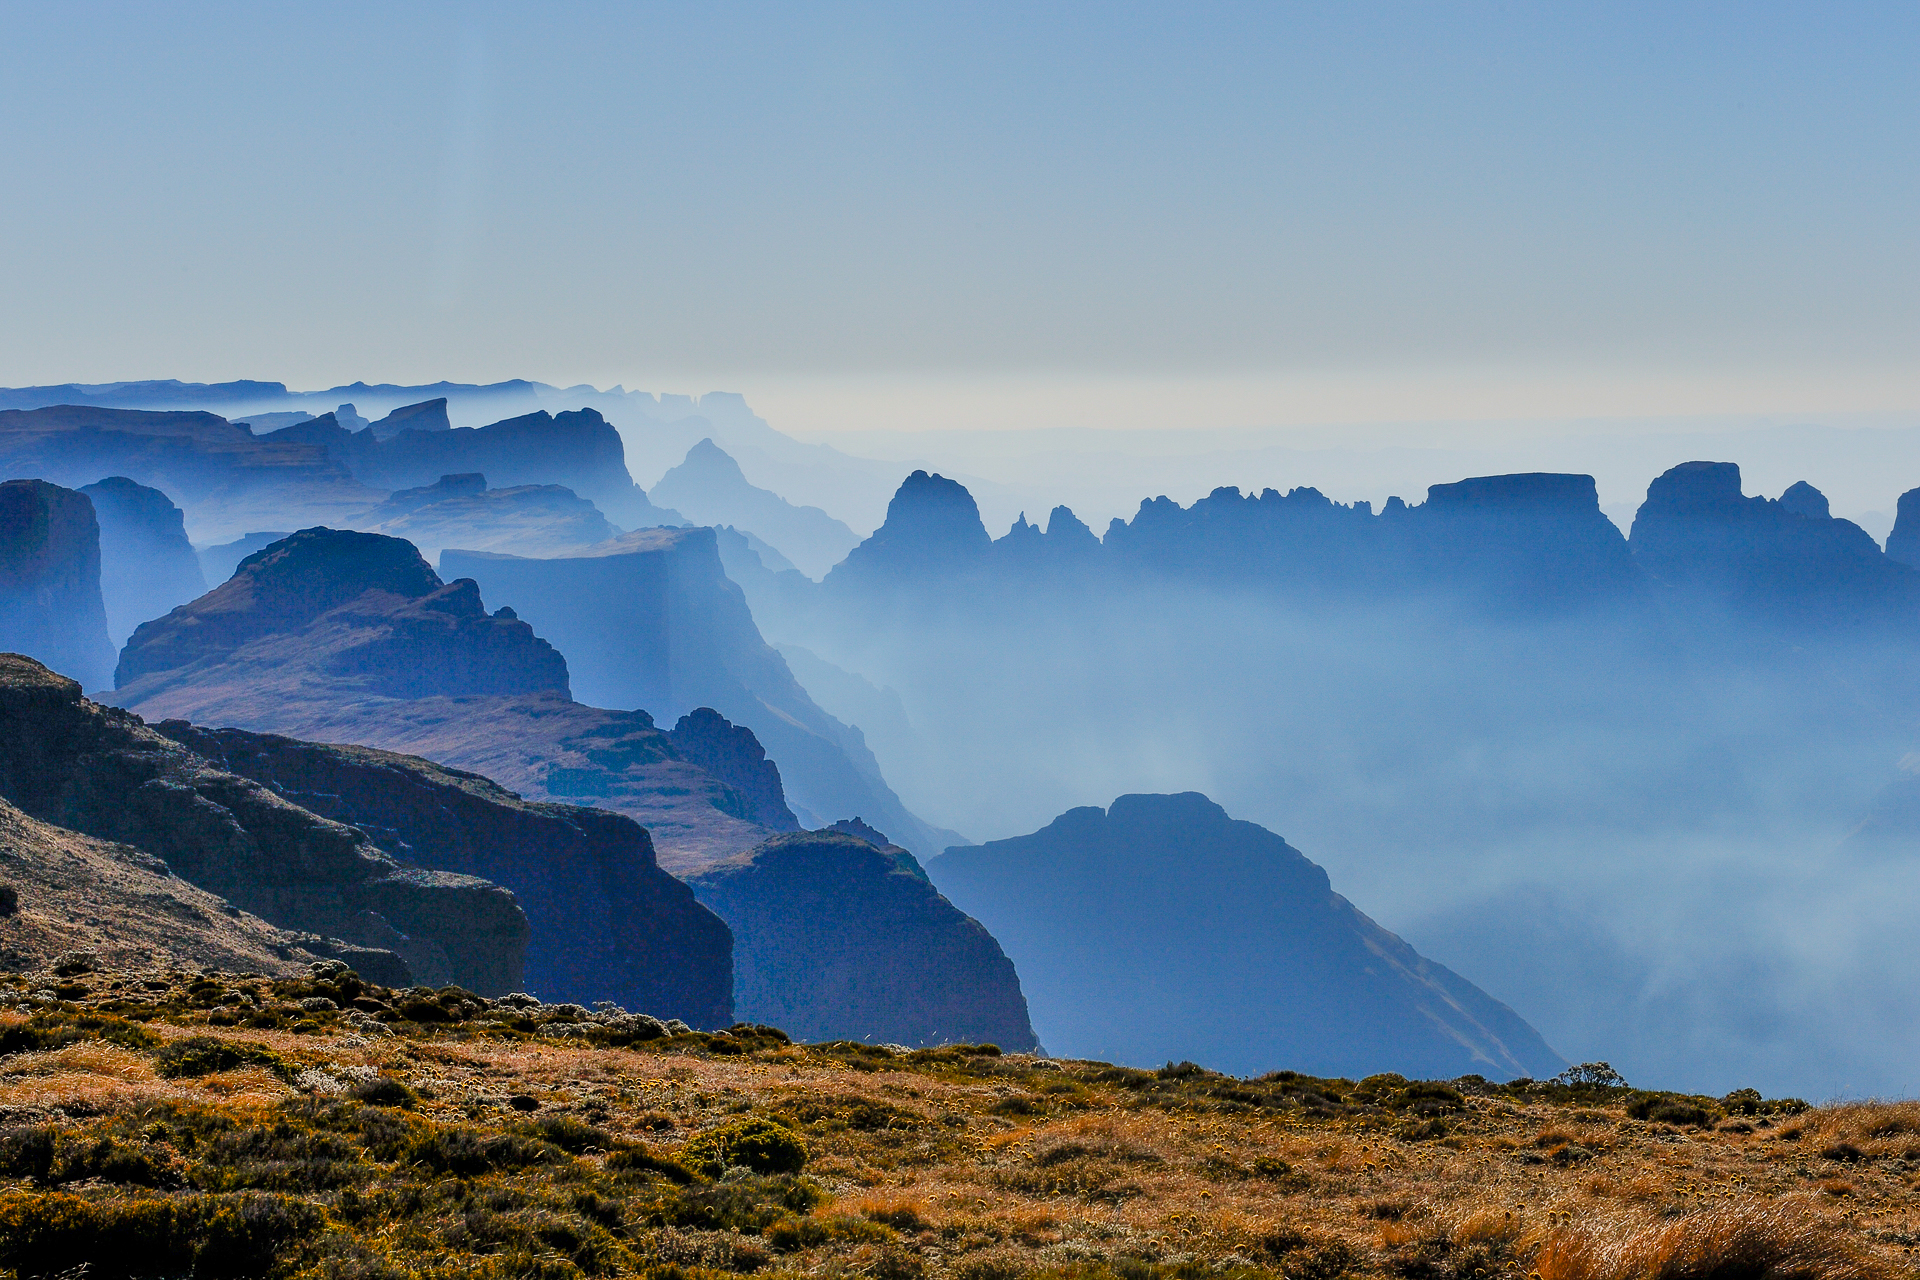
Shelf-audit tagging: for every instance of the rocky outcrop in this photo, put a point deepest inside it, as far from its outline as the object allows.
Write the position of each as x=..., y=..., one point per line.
x=708, y=488
x=73, y=893
x=651, y=620
x=364, y=607
x=147, y=566
x=607, y=923
x=733, y=755
x=99, y=771
x=219, y=560
x=349, y=637
x=1161, y=929
x=835, y=939
x=50, y=604
x=460, y=511
x=1784, y=561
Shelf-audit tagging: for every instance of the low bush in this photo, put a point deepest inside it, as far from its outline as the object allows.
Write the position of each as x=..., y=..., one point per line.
x=759, y=1144
x=204, y=1055
x=247, y=1235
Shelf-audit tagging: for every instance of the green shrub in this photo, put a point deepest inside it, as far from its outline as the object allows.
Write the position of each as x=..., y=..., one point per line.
x=1666, y=1108
x=759, y=1144
x=793, y=1233
x=213, y=1236
x=384, y=1092
x=204, y=1055
x=54, y=1030
x=634, y=1157
x=467, y=1152
x=570, y=1135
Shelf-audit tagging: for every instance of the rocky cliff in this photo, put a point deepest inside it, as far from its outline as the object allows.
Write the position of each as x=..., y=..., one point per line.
x=837, y=939
x=607, y=923
x=50, y=604
x=101, y=772
x=1161, y=929
x=708, y=488
x=651, y=620
x=147, y=566
x=349, y=637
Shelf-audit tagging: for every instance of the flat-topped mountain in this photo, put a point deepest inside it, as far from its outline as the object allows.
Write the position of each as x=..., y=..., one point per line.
x=147, y=566
x=840, y=938
x=50, y=604
x=1160, y=928
x=708, y=488
x=342, y=636
x=650, y=619
x=98, y=771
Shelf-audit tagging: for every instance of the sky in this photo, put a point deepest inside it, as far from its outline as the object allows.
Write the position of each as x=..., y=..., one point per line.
x=902, y=217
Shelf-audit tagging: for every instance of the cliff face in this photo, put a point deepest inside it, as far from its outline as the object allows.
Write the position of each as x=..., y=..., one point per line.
x=50, y=604
x=708, y=488
x=1784, y=560
x=607, y=923
x=349, y=637
x=101, y=772
x=1162, y=929
x=836, y=939
x=651, y=620
x=147, y=566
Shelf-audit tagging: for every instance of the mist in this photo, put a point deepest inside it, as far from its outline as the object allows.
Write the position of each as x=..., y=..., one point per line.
x=1625, y=819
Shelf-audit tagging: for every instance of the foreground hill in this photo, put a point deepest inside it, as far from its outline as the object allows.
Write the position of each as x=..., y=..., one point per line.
x=1238, y=945
x=168, y=1122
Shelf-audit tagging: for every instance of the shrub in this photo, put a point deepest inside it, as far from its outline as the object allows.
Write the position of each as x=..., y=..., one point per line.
x=57, y=1030
x=1669, y=1109
x=793, y=1233
x=204, y=1055
x=467, y=1152
x=212, y=1236
x=634, y=1156
x=759, y=1144
x=384, y=1091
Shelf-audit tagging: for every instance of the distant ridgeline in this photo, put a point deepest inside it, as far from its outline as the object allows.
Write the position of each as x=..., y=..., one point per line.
x=1531, y=543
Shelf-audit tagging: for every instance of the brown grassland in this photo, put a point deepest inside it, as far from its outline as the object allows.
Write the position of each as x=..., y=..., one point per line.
x=173, y=1124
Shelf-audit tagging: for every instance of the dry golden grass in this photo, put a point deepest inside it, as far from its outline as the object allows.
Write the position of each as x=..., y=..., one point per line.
x=990, y=1167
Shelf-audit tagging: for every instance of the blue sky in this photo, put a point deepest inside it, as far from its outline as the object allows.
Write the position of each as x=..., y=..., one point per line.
x=913, y=215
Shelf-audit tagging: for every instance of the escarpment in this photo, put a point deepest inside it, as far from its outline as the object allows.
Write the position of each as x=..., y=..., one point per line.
x=50, y=603
x=607, y=923
x=99, y=771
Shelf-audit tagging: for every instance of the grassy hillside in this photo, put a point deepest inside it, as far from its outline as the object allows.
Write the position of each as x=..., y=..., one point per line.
x=172, y=1123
